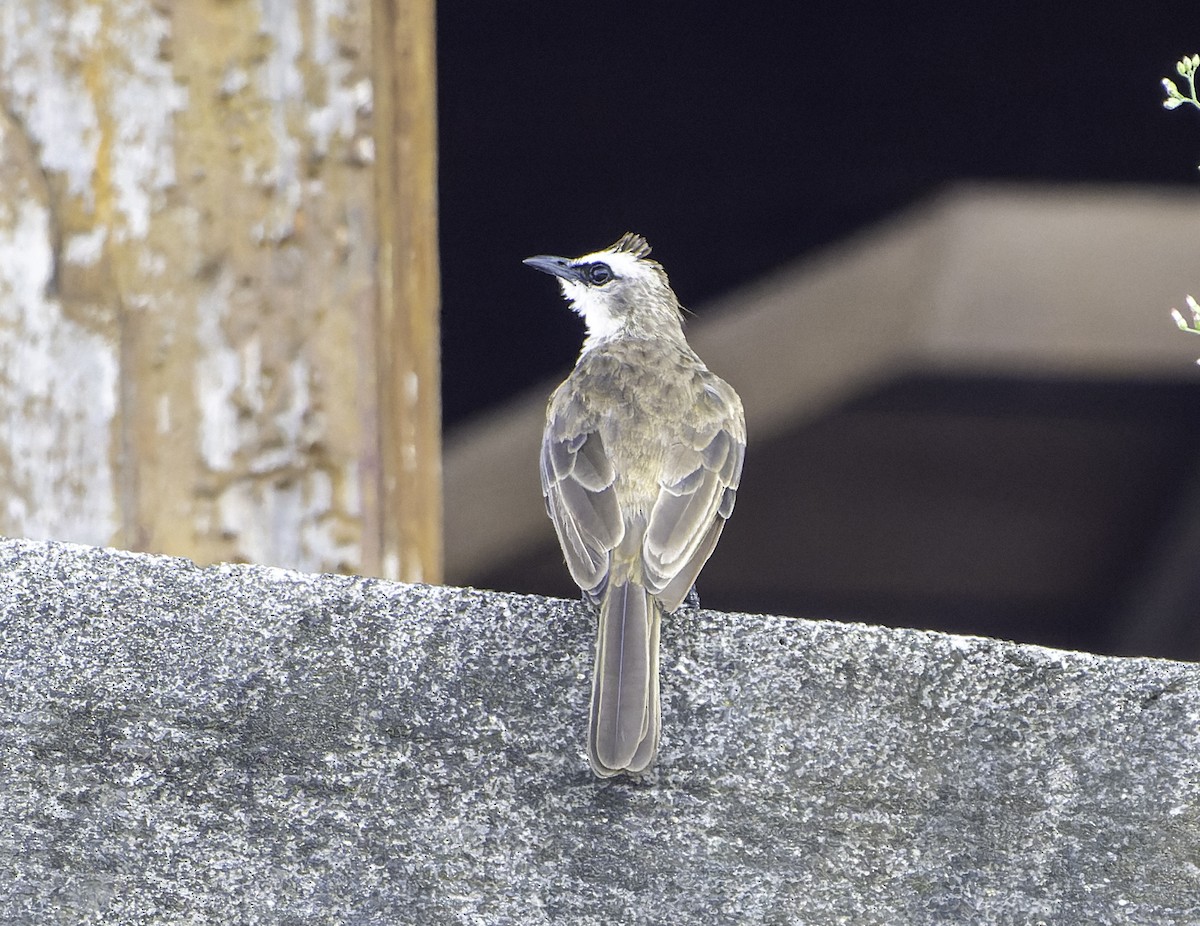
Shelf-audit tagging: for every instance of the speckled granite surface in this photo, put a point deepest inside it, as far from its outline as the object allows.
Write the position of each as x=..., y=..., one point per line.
x=244, y=745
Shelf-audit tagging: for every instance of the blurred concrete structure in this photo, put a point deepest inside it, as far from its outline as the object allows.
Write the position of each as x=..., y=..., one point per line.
x=976, y=416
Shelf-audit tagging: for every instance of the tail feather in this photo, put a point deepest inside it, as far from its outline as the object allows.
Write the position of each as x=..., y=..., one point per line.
x=624, y=729
x=647, y=751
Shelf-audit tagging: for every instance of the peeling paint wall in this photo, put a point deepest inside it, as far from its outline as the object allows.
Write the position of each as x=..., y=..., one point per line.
x=187, y=278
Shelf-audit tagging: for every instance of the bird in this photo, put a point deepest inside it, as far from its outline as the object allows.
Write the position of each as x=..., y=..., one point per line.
x=640, y=463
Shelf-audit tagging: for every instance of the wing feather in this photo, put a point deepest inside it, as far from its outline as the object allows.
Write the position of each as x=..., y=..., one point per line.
x=578, y=481
x=697, y=493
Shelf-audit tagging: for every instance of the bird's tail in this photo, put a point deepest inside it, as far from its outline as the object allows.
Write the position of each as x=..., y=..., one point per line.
x=624, y=727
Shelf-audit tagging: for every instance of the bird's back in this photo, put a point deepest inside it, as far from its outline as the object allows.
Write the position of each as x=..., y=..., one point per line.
x=640, y=396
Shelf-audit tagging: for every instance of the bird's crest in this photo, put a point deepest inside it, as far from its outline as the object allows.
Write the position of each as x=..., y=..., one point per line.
x=629, y=243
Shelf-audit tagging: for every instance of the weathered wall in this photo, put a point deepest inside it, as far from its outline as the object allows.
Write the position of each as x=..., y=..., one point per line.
x=188, y=279
x=248, y=745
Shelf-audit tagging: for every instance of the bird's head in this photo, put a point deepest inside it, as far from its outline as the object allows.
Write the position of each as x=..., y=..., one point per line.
x=618, y=290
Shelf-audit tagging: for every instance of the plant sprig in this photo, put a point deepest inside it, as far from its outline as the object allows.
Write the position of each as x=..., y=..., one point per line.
x=1187, y=67
x=1193, y=326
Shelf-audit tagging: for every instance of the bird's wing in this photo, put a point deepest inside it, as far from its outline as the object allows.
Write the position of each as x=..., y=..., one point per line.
x=696, y=492
x=578, y=482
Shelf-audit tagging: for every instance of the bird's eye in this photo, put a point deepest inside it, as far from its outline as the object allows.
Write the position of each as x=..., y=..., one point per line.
x=599, y=274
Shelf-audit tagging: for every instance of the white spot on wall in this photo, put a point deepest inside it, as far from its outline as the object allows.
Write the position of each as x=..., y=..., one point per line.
x=86, y=249
x=230, y=378
x=285, y=520
x=83, y=27
x=54, y=105
x=216, y=376
x=57, y=401
x=234, y=81
x=264, y=519
x=252, y=384
x=283, y=88
x=321, y=544
x=293, y=419
x=408, y=453
x=151, y=264
x=271, y=502
x=333, y=114
x=363, y=149
x=352, y=489
x=144, y=102
x=59, y=111
x=343, y=100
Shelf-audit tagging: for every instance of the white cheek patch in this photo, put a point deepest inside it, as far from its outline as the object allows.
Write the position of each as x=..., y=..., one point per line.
x=593, y=302
x=592, y=305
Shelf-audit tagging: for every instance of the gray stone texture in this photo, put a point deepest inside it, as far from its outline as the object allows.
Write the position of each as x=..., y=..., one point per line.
x=245, y=745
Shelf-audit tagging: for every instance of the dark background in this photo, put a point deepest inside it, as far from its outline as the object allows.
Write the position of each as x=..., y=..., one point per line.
x=738, y=137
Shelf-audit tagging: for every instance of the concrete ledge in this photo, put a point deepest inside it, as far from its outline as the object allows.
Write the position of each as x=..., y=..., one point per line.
x=247, y=745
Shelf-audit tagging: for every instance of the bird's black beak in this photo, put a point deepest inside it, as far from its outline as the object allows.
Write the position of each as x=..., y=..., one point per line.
x=557, y=266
